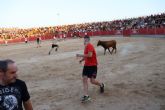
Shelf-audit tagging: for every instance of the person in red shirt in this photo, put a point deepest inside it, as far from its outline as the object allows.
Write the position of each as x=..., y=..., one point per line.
x=90, y=67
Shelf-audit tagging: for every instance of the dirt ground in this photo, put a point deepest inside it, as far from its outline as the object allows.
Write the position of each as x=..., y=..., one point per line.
x=134, y=77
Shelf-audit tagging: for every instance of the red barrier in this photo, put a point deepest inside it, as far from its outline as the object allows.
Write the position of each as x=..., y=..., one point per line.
x=69, y=35
x=89, y=33
x=142, y=31
x=151, y=31
x=2, y=42
x=32, y=38
x=81, y=34
x=128, y=32
x=134, y=31
x=160, y=31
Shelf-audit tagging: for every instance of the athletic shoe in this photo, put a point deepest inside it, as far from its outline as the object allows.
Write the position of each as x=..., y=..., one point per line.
x=85, y=98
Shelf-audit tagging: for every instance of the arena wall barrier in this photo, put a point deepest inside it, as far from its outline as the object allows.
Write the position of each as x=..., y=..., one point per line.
x=127, y=32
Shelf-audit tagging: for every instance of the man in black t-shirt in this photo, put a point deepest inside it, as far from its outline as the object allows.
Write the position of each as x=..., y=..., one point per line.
x=13, y=92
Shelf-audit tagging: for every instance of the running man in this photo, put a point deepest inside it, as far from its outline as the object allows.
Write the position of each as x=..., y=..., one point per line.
x=54, y=44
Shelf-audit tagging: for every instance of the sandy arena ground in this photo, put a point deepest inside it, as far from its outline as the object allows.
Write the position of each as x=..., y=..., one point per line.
x=134, y=77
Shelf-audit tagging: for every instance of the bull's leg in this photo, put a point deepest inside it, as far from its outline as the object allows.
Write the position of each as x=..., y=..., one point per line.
x=112, y=50
x=104, y=51
x=109, y=51
x=115, y=49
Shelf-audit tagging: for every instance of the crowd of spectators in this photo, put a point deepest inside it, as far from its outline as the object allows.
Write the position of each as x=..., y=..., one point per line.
x=151, y=21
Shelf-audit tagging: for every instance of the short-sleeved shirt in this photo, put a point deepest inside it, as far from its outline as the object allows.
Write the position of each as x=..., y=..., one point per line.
x=12, y=95
x=90, y=61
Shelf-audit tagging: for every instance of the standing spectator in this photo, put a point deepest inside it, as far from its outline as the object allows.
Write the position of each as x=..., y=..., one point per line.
x=13, y=91
x=26, y=39
x=6, y=42
x=38, y=41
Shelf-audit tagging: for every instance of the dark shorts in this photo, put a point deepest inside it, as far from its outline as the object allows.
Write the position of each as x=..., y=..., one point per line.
x=90, y=71
x=38, y=41
x=54, y=45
